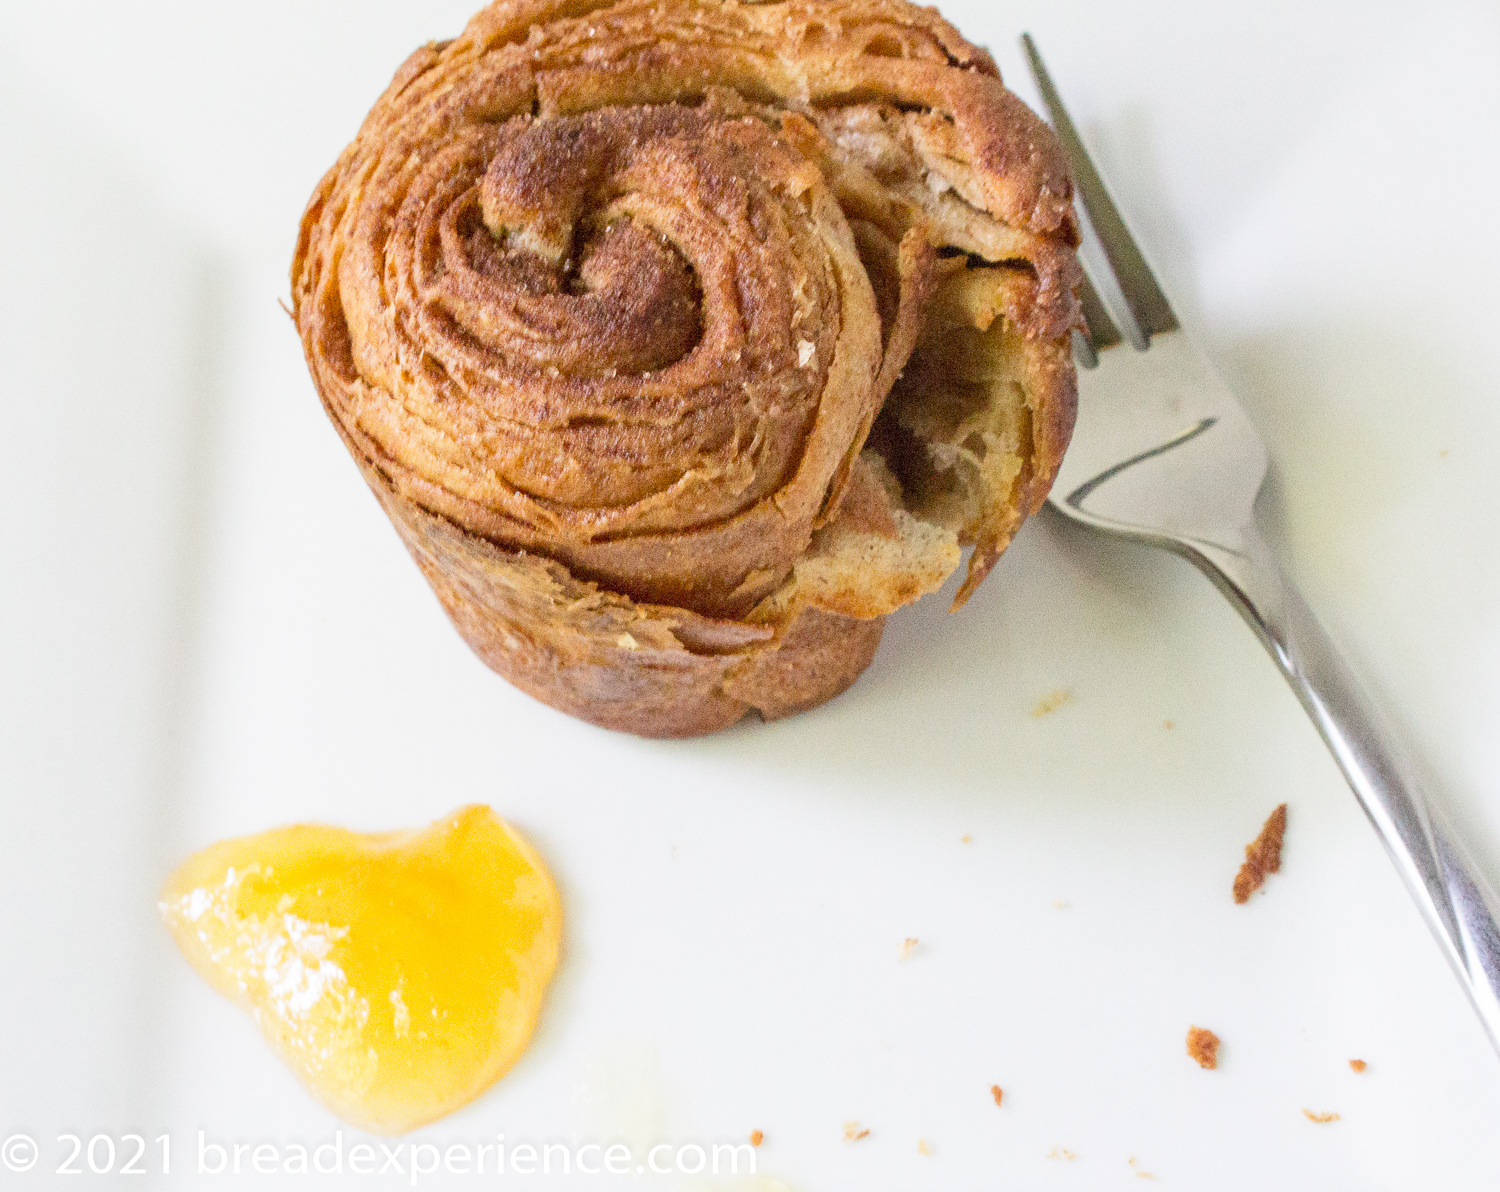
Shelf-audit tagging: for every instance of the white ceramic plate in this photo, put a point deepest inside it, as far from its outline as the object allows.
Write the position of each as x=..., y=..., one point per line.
x=209, y=629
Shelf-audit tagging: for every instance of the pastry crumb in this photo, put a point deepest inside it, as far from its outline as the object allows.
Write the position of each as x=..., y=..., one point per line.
x=853, y=1132
x=1319, y=1117
x=626, y=642
x=998, y=1093
x=1262, y=856
x=967, y=839
x=908, y=946
x=1060, y=904
x=756, y=1137
x=1140, y=1173
x=924, y=1147
x=1051, y=702
x=1059, y=1152
x=1358, y=1065
x=1167, y=724
x=1203, y=1046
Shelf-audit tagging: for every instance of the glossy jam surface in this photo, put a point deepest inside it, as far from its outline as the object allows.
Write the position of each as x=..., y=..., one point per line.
x=398, y=974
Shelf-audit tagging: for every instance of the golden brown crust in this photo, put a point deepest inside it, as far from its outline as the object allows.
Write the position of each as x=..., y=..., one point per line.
x=606, y=298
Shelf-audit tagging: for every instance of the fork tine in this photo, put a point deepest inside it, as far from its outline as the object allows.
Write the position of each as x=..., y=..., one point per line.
x=1148, y=305
x=1102, y=330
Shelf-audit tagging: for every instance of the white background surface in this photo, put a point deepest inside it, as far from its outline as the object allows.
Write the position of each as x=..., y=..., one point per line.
x=209, y=629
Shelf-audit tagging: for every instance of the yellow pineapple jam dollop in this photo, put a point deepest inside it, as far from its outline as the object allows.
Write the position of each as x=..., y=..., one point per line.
x=399, y=974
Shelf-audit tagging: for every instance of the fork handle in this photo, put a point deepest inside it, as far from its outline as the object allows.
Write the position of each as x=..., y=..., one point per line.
x=1459, y=906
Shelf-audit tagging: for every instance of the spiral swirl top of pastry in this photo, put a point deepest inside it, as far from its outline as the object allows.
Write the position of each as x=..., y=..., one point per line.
x=595, y=281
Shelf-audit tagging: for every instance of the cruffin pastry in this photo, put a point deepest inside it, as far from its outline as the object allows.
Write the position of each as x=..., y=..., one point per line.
x=684, y=340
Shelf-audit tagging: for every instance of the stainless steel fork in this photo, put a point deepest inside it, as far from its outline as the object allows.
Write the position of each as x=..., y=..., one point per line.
x=1163, y=454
